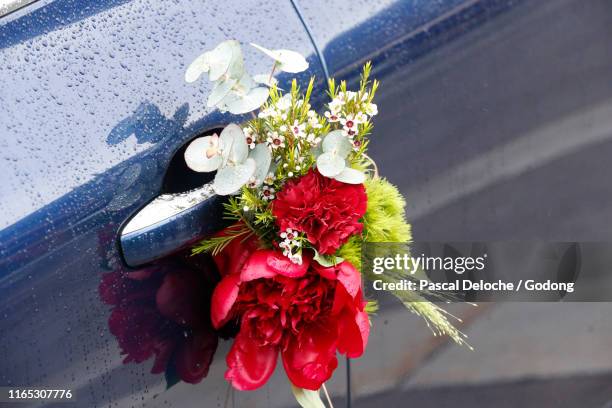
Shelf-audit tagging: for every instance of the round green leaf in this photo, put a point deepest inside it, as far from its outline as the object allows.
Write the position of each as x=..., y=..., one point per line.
x=233, y=145
x=288, y=60
x=220, y=91
x=330, y=164
x=199, y=65
x=196, y=155
x=350, y=176
x=262, y=157
x=337, y=143
x=226, y=58
x=231, y=178
x=239, y=104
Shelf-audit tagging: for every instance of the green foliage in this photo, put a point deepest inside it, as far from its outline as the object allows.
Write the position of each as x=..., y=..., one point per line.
x=384, y=220
x=351, y=251
x=217, y=244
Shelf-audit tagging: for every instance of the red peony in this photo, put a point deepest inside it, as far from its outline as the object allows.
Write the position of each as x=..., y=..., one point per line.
x=326, y=210
x=162, y=311
x=304, y=312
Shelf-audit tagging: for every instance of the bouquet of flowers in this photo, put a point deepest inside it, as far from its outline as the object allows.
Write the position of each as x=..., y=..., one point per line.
x=303, y=197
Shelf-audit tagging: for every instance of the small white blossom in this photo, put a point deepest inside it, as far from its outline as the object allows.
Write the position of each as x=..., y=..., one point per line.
x=284, y=103
x=288, y=234
x=332, y=117
x=313, y=120
x=312, y=139
x=361, y=117
x=269, y=180
x=267, y=193
x=250, y=137
x=296, y=258
x=356, y=145
x=298, y=129
x=335, y=106
x=346, y=96
x=268, y=112
x=275, y=140
x=349, y=125
x=291, y=246
x=371, y=109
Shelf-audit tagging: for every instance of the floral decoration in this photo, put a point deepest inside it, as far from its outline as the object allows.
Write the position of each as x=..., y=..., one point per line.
x=302, y=197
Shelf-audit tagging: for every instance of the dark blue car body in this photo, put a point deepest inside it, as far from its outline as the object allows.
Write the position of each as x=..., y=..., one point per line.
x=94, y=106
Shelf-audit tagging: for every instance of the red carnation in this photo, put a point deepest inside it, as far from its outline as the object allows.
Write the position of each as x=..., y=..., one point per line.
x=326, y=210
x=306, y=312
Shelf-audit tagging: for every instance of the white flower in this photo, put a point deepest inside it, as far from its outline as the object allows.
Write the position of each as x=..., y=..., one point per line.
x=332, y=117
x=291, y=246
x=284, y=103
x=371, y=109
x=346, y=96
x=250, y=137
x=252, y=183
x=267, y=193
x=288, y=234
x=268, y=112
x=298, y=129
x=275, y=140
x=269, y=180
x=356, y=145
x=312, y=139
x=361, y=117
x=313, y=120
x=335, y=106
x=296, y=258
x=349, y=125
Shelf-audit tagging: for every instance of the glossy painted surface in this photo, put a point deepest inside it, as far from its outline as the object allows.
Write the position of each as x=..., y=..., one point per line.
x=93, y=106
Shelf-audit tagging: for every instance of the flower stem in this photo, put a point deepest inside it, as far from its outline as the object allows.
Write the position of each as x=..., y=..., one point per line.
x=327, y=396
x=272, y=73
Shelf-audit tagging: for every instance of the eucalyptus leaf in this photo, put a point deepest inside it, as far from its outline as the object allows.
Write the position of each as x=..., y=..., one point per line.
x=265, y=79
x=262, y=156
x=231, y=178
x=220, y=91
x=327, y=260
x=287, y=60
x=330, y=164
x=233, y=145
x=239, y=104
x=199, y=65
x=350, y=176
x=336, y=142
x=245, y=84
x=307, y=398
x=226, y=59
x=196, y=154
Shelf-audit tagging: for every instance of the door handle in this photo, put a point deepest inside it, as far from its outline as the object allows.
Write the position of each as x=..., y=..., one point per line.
x=172, y=222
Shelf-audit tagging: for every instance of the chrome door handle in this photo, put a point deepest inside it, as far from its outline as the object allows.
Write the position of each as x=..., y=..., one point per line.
x=172, y=222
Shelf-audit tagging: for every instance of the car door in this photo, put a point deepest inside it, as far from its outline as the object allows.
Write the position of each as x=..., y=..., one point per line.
x=93, y=108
